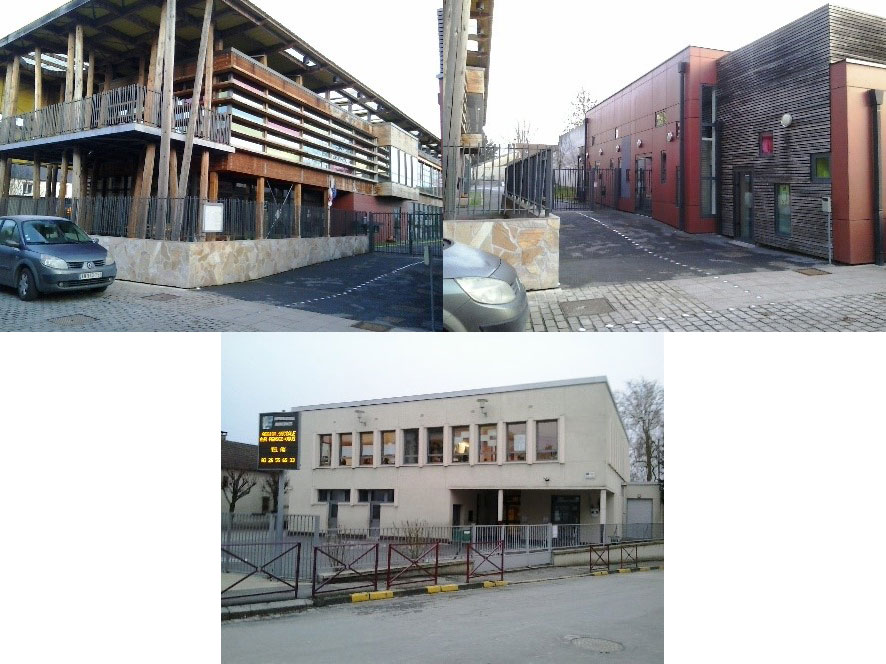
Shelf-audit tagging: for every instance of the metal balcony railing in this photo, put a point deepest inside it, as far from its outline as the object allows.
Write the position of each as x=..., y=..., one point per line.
x=131, y=104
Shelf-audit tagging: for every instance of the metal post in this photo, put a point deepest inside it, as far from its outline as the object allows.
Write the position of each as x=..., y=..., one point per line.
x=876, y=99
x=830, y=245
x=281, y=487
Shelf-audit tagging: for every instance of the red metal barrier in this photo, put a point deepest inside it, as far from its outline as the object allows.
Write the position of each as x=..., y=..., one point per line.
x=599, y=557
x=263, y=567
x=343, y=566
x=423, y=569
x=498, y=570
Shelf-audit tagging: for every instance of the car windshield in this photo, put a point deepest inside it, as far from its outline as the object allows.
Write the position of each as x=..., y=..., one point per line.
x=53, y=231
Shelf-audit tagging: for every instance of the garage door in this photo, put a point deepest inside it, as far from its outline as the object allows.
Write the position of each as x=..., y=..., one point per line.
x=639, y=523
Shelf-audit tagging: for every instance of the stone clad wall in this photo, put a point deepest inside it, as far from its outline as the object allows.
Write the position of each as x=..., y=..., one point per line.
x=530, y=245
x=200, y=264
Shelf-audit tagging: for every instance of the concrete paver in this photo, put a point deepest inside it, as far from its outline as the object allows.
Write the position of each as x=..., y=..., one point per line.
x=707, y=283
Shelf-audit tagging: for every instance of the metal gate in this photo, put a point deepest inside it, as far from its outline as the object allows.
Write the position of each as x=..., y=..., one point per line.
x=573, y=189
x=643, y=186
x=606, y=187
x=406, y=233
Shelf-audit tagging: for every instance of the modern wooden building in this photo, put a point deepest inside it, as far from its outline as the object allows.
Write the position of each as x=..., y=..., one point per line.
x=770, y=137
x=106, y=90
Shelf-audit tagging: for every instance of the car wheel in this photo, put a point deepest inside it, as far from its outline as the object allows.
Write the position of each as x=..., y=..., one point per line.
x=26, y=285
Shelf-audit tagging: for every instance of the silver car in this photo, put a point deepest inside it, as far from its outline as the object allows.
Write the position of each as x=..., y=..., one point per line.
x=481, y=292
x=51, y=254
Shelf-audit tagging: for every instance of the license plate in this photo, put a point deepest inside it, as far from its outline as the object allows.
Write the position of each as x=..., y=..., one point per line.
x=91, y=275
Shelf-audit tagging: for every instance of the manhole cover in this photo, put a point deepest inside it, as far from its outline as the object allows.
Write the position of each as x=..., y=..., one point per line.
x=811, y=271
x=372, y=327
x=595, y=645
x=73, y=320
x=160, y=297
x=597, y=305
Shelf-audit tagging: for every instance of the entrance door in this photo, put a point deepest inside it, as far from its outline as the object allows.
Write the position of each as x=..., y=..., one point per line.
x=456, y=515
x=374, y=519
x=565, y=509
x=332, y=517
x=512, y=507
x=744, y=206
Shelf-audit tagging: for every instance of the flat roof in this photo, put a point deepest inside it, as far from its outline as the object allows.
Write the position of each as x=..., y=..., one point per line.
x=122, y=30
x=459, y=393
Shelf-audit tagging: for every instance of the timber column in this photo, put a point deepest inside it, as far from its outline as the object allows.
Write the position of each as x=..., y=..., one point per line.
x=260, y=209
x=167, y=48
x=10, y=104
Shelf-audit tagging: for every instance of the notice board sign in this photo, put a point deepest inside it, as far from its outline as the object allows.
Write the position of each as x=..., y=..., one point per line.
x=278, y=441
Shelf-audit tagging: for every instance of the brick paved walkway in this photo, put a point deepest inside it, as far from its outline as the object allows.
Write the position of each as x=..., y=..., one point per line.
x=768, y=291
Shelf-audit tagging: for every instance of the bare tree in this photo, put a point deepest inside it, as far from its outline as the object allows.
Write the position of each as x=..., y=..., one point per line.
x=641, y=406
x=235, y=484
x=271, y=486
x=524, y=132
x=581, y=104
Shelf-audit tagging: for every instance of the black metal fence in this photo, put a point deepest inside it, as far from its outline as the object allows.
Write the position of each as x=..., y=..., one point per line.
x=502, y=181
x=573, y=189
x=407, y=233
x=643, y=191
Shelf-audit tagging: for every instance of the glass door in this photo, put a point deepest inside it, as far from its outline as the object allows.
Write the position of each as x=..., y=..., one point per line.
x=744, y=206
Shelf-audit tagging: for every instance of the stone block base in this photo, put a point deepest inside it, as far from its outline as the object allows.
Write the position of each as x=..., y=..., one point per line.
x=200, y=264
x=530, y=245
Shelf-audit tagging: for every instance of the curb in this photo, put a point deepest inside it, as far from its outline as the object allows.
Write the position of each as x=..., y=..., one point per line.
x=296, y=606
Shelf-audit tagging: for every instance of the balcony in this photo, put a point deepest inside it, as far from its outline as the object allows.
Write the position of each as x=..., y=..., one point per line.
x=130, y=108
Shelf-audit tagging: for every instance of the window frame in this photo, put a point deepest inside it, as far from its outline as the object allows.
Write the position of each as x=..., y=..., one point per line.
x=776, y=216
x=663, y=167
x=406, y=459
x=428, y=461
x=371, y=454
x=350, y=447
x=392, y=455
x=812, y=176
x=508, y=451
x=556, y=424
x=494, y=448
x=328, y=463
x=760, y=136
x=712, y=181
x=467, y=454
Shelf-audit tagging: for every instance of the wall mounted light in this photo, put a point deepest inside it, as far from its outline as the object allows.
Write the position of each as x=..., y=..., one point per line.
x=670, y=136
x=601, y=150
x=639, y=143
x=361, y=417
x=482, y=403
x=786, y=120
x=618, y=148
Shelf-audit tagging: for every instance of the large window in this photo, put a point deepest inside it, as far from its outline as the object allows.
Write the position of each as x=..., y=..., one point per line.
x=435, y=445
x=388, y=448
x=375, y=496
x=516, y=438
x=488, y=443
x=708, y=151
x=366, y=440
x=783, y=209
x=546, y=440
x=461, y=444
x=325, y=449
x=333, y=495
x=820, y=167
x=661, y=118
x=346, y=445
x=410, y=446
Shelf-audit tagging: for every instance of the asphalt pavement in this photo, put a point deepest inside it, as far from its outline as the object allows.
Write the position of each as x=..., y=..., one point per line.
x=617, y=618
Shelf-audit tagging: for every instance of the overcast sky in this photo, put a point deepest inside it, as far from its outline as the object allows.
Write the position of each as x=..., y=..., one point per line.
x=544, y=52
x=269, y=372
x=390, y=46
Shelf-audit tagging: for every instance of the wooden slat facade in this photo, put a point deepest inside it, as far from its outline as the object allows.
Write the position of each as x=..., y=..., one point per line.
x=787, y=71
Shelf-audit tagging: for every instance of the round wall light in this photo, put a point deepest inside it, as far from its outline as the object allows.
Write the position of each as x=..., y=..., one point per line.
x=618, y=148
x=670, y=136
x=601, y=150
x=639, y=143
x=786, y=120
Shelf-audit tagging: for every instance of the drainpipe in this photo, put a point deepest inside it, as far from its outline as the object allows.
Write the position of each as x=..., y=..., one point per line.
x=682, y=69
x=876, y=98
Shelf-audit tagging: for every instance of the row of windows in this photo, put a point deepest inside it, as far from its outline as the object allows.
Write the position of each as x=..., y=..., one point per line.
x=407, y=170
x=363, y=495
x=546, y=445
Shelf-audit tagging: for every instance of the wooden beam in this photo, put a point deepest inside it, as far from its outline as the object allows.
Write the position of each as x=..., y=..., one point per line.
x=199, y=72
x=260, y=208
x=209, y=73
x=36, y=184
x=296, y=210
x=38, y=79
x=69, y=70
x=90, y=75
x=62, y=184
x=167, y=47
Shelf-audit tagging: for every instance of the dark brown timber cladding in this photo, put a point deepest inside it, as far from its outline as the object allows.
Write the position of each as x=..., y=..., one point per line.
x=857, y=35
x=786, y=71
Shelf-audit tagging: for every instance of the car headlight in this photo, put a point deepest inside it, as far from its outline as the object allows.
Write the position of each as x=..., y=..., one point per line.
x=53, y=262
x=487, y=291
x=109, y=259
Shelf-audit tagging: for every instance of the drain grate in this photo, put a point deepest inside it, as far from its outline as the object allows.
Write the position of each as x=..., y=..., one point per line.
x=160, y=297
x=811, y=271
x=595, y=306
x=73, y=320
x=372, y=327
x=595, y=645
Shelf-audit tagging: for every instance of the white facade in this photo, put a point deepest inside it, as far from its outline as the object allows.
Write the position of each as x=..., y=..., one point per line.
x=472, y=479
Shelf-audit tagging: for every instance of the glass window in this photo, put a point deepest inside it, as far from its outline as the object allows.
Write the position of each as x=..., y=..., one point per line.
x=388, y=448
x=7, y=232
x=663, y=167
x=783, y=209
x=546, y=440
x=375, y=496
x=461, y=444
x=325, y=449
x=708, y=155
x=410, y=446
x=767, y=146
x=516, y=439
x=488, y=443
x=345, y=443
x=821, y=167
x=661, y=118
x=366, y=440
x=333, y=495
x=435, y=445
x=395, y=165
